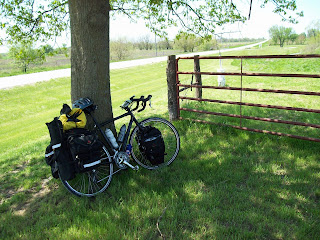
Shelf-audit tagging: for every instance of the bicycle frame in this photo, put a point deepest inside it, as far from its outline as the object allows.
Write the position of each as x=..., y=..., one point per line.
x=117, y=158
x=126, y=137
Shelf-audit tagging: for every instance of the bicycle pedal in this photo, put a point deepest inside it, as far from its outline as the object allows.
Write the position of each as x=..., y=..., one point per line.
x=136, y=168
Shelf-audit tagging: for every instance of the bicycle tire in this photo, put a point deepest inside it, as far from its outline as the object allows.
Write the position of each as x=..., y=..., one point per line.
x=89, y=184
x=171, y=139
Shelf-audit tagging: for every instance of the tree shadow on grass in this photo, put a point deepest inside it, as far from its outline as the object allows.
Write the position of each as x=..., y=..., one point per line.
x=253, y=186
x=240, y=184
x=225, y=183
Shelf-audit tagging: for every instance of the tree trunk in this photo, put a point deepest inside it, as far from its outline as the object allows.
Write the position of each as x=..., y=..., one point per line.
x=89, y=23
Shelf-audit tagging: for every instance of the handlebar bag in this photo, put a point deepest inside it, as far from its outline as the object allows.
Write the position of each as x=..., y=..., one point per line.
x=151, y=144
x=85, y=149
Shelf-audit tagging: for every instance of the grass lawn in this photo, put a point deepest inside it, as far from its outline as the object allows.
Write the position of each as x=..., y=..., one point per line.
x=225, y=183
x=300, y=66
x=9, y=68
x=60, y=61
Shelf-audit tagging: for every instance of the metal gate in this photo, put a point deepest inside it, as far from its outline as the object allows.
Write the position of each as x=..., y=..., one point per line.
x=241, y=89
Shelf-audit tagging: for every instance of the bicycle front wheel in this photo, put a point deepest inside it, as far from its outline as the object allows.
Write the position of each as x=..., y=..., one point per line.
x=89, y=184
x=171, y=140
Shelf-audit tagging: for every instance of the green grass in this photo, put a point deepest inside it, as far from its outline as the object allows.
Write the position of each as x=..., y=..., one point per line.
x=60, y=61
x=225, y=183
x=301, y=66
x=8, y=67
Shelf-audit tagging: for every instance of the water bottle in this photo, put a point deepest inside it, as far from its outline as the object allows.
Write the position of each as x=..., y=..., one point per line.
x=111, y=138
x=129, y=149
x=121, y=134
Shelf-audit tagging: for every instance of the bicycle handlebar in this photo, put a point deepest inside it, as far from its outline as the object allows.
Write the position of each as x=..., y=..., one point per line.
x=142, y=99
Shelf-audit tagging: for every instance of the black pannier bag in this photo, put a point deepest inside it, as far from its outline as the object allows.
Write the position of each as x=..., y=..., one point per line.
x=151, y=144
x=56, y=132
x=57, y=153
x=51, y=161
x=85, y=149
x=65, y=163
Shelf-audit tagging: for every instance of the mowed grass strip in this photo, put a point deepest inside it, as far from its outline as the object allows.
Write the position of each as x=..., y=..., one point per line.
x=299, y=66
x=225, y=183
x=61, y=61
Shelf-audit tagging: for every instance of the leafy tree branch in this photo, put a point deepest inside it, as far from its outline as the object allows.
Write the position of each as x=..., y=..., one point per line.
x=28, y=21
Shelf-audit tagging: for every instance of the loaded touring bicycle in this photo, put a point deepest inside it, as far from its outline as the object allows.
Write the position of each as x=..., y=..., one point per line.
x=85, y=160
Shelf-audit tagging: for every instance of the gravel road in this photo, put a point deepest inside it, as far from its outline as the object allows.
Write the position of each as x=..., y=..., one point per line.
x=19, y=80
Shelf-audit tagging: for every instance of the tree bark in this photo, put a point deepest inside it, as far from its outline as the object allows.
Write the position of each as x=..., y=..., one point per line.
x=90, y=77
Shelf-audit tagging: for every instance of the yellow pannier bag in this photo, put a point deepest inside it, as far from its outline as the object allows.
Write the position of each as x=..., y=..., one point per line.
x=75, y=119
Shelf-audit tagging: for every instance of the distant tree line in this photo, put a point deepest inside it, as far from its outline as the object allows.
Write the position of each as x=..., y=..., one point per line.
x=313, y=34
x=281, y=35
x=121, y=48
x=26, y=54
x=235, y=40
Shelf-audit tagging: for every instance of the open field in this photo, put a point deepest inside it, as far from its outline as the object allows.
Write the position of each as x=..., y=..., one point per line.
x=225, y=183
x=8, y=67
x=299, y=66
x=60, y=61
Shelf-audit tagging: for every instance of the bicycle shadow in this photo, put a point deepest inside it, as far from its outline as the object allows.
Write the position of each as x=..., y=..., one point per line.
x=202, y=190
x=224, y=182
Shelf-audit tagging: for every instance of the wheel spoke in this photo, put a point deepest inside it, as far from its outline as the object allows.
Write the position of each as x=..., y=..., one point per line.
x=94, y=181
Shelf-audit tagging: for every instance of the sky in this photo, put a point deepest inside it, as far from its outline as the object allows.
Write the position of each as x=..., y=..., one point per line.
x=257, y=27
x=261, y=20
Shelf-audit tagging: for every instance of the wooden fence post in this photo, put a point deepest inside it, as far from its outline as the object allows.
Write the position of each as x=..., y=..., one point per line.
x=172, y=88
x=198, y=76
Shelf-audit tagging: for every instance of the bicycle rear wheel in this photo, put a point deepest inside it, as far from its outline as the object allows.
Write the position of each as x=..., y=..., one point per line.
x=171, y=140
x=89, y=184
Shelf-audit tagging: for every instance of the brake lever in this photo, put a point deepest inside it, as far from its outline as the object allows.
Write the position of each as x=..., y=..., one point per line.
x=149, y=99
